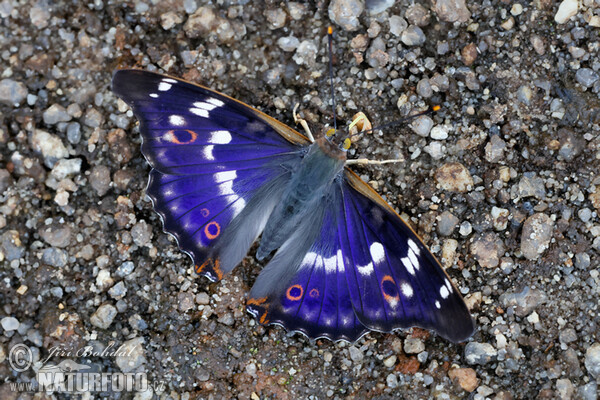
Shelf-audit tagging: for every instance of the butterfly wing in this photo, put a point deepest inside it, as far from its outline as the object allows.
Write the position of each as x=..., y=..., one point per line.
x=394, y=280
x=364, y=269
x=303, y=288
x=219, y=166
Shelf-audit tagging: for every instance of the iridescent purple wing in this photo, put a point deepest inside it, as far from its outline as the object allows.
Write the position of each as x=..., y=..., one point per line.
x=364, y=270
x=304, y=287
x=219, y=166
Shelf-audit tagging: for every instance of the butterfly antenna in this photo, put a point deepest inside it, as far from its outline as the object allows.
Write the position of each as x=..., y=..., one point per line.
x=330, y=42
x=396, y=122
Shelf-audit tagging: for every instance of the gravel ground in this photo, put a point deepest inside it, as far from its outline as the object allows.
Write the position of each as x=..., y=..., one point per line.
x=502, y=183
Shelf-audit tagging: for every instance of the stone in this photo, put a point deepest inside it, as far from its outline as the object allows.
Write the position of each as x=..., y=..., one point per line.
x=100, y=179
x=479, y=353
x=525, y=301
x=566, y=10
x=104, y=316
x=55, y=114
x=487, y=250
x=536, y=235
x=9, y=324
x=466, y=378
x=413, y=345
x=454, y=177
x=592, y=360
x=12, y=92
x=345, y=13
x=452, y=10
x=413, y=36
x=50, y=146
x=132, y=355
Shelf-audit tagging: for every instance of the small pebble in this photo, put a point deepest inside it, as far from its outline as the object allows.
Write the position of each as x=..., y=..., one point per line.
x=479, y=353
x=390, y=361
x=447, y=223
x=397, y=25
x=118, y=291
x=276, y=17
x=104, y=316
x=454, y=177
x=592, y=360
x=466, y=378
x=536, y=235
x=525, y=301
x=132, y=355
x=55, y=114
x=452, y=10
x=439, y=132
x=356, y=354
x=50, y=146
x=306, y=53
x=487, y=250
x=413, y=345
x=422, y=125
x=586, y=77
x=345, y=13
x=9, y=323
x=566, y=10
x=12, y=92
x=100, y=179
x=288, y=43
x=413, y=36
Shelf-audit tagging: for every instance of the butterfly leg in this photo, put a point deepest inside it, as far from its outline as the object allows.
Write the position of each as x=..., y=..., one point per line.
x=299, y=120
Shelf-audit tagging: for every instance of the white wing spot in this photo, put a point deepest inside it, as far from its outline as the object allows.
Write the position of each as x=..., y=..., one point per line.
x=199, y=112
x=220, y=137
x=340, y=261
x=216, y=102
x=164, y=86
x=309, y=258
x=204, y=106
x=438, y=305
x=238, y=206
x=406, y=289
x=413, y=246
x=444, y=292
x=448, y=285
x=366, y=270
x=225, y=176
x=330, y=264
x=176, y=120
x=413, y=259
x=153, y=95
x=169, y=80
x=207, y=152
x=377, y=252
x=408, y=265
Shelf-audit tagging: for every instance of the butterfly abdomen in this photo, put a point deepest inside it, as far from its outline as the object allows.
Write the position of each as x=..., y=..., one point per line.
x=307, y=186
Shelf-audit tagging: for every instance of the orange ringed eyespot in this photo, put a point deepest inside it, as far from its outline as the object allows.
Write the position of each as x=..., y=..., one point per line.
x=174, y=137
x=216, y=230
x=390, y=293
x=204, y=212
x=294, y=292
x=314, y=293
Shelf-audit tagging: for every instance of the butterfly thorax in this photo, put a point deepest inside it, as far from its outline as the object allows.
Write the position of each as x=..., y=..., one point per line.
x=308, y=185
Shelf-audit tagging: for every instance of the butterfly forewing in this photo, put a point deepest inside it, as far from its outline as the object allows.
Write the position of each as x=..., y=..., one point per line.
x=211, y=157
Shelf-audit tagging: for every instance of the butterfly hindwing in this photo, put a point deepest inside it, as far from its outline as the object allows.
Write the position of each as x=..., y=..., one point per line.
x=364, y=270
x=303, y=288
x=219, y=166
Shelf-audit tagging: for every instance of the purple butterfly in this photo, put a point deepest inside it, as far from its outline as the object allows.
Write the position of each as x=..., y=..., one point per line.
x=224, y=172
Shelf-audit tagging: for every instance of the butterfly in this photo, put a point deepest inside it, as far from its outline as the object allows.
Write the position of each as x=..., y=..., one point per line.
x=343, y=262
